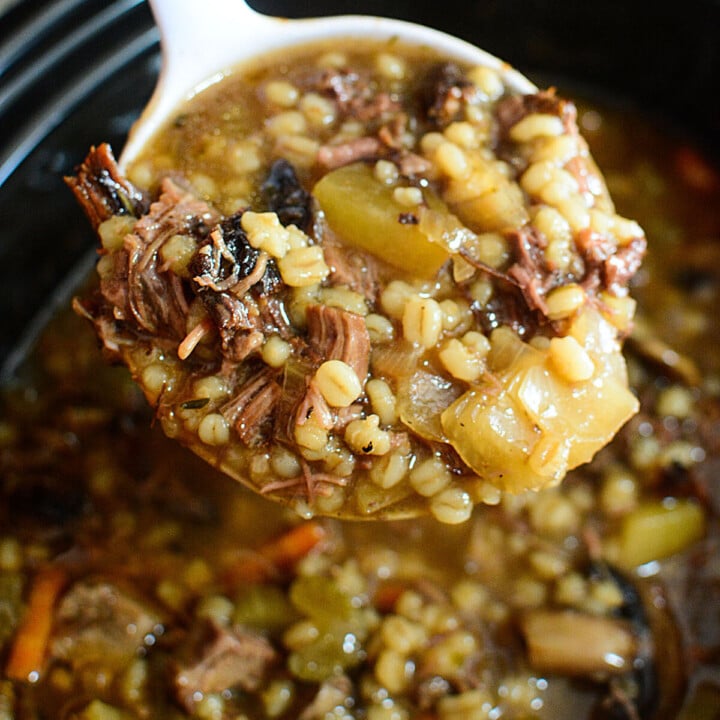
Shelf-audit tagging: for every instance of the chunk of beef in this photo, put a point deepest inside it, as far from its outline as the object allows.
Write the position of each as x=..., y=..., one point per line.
x=222, y=659
x=336, y=334
x=314, y=406
x=367, y=147
x=512, y=109
x=235, y=282
x=611, y=265
x=227, y=262
x=355, y=96
x=529, y=270
x=251, y=411
x=350, y=268
x=411, y=164
x=140, y=289
x=101, y=189
x=594, y=247
x=370, y=148
x=285, y=196
x=332, y=334
x=445, y=94
x=623, y=264
x=99, y=622
x=508, y=308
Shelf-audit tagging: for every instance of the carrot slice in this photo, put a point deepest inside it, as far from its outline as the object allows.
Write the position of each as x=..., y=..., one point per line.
x=387, y=595
x=27, y=654
x=287, y=550
x=278, y=555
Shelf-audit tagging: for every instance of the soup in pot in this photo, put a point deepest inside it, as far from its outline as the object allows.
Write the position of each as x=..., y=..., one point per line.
x=138, y=582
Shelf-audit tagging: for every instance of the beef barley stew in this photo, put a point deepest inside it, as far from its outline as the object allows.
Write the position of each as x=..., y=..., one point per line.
x=370, y=284
x=136, y=582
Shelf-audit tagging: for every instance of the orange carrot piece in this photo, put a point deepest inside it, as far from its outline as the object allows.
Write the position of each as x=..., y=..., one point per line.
x=27, y=654
x=279, y=555
x=249, y=569
x=285, y=551
x=387, y=595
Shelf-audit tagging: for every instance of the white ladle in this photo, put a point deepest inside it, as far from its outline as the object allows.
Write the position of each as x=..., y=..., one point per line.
x=204, y=39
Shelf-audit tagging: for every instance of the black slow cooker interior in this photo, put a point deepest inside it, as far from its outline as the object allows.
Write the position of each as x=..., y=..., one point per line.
x=76, y=72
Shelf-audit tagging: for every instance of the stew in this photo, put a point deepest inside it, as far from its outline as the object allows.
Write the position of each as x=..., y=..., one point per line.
x=367, y=285
x=137, y=582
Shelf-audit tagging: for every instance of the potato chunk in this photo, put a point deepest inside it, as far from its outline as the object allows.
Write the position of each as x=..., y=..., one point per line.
x=365, y=214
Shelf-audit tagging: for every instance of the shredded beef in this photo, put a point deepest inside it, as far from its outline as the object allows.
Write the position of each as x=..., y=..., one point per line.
x=314, y=406
x=155, y=298
x=607, y=264
x=285, y=196
x=445, y=94
x=529, y=270
x=332, y=334
x=252, y=408
x=362, y=148
x=336, y=334
x=622, y=266
x=235, y=282
x=355, y=95
x=594, y=247
x=226, y=259
x=512, y=109
x=229, y=315
x=411, y=164
x=352, y=269
x=222, y=659
x=101, y=189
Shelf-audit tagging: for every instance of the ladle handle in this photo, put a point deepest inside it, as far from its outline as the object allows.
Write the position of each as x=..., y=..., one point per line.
x=201, y=36
x=200, y=39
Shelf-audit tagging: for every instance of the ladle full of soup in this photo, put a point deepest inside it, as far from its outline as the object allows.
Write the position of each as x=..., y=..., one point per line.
x=365, y=269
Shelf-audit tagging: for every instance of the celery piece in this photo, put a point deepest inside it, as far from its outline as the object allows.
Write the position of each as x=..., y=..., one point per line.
x=335, y=651
x=321, y=599
x=264, y=607
x=365, y=215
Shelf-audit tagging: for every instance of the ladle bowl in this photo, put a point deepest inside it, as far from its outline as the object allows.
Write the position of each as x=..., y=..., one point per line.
x=202, y=41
